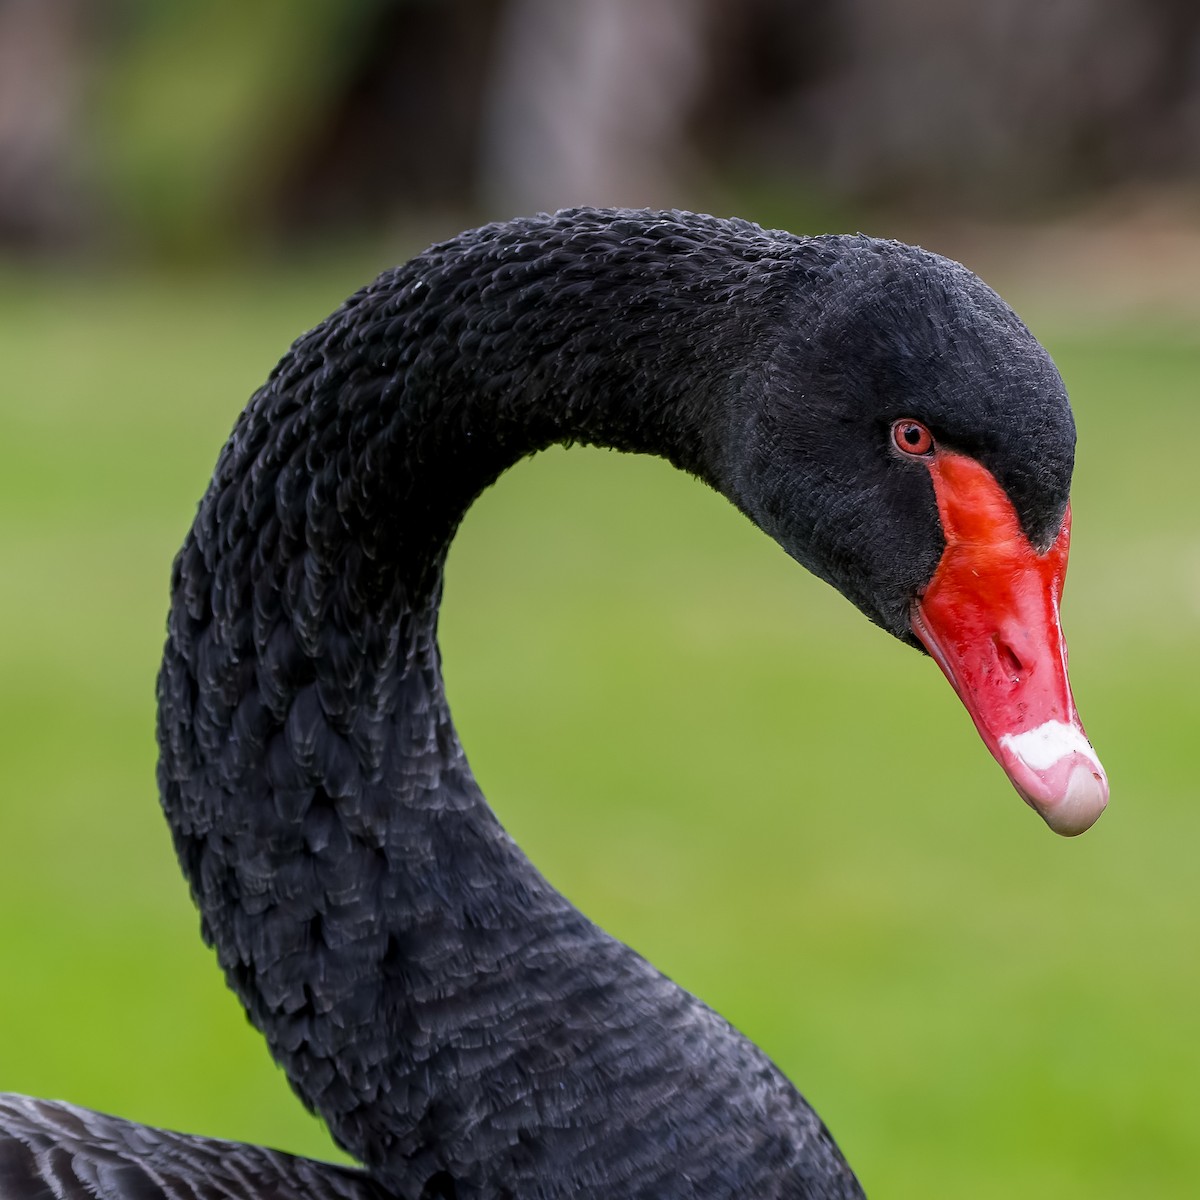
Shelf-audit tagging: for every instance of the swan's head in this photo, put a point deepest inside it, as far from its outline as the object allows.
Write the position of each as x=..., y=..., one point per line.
x=911, y=442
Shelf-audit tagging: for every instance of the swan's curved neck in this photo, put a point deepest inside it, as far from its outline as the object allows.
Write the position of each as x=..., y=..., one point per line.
x=429, y=383
x=416, y=977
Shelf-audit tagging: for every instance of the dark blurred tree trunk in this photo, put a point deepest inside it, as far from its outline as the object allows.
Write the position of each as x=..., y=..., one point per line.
x=764, y=57
x=402, y=131
x=42, y=61
x=589, y=101
x=504, y=105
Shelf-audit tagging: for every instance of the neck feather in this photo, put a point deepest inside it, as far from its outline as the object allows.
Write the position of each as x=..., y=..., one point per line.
x=422, y=985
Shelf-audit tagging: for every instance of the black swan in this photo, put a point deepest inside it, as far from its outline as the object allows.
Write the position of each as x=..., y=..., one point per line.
x=464, y=1031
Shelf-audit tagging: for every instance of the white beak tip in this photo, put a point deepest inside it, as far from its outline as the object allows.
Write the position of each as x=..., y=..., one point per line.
x=1080, y=806
x=1057, y=773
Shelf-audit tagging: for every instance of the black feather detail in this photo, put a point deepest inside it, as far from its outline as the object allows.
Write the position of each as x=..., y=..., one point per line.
x=55, y=1151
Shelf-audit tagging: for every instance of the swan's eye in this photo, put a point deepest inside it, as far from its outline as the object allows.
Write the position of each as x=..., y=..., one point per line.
x=911, y=437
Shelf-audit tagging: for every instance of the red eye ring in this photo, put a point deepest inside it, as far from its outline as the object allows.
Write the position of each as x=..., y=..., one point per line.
x=911, y=437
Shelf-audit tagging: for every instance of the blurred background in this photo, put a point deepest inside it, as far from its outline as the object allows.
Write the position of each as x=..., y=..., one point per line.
x=708, y=751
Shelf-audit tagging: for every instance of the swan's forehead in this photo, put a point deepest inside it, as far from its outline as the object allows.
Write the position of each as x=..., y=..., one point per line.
x=962, y=361
x=1016, y=420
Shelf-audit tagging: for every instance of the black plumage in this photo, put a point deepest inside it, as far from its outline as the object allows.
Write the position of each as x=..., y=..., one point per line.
x=460, y=1026
x=55, y=1151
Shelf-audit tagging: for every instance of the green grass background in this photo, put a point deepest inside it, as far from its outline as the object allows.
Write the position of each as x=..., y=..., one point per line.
x=707, y=750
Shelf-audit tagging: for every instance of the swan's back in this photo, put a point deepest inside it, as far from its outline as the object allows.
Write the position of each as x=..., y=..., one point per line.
x=55, y=1151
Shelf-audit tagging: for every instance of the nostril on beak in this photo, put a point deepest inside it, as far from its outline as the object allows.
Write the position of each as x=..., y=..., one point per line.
x=1010, y=660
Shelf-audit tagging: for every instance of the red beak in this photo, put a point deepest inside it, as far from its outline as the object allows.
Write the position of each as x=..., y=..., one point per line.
x=990, y=619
